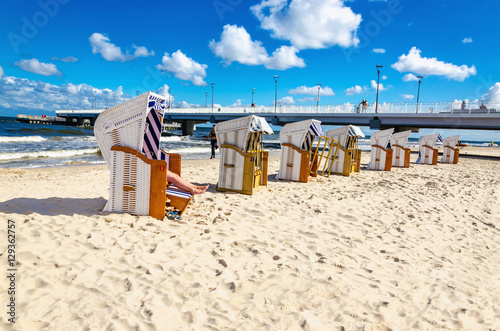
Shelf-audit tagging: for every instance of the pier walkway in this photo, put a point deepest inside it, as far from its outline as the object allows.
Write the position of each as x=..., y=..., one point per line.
x=401, y=116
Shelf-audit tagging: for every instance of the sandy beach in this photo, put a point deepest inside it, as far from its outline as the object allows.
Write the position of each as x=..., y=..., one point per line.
x=410, y=249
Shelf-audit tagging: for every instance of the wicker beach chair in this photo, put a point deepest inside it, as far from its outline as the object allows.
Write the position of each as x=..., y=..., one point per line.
x=296, y=150
x=427, y=154
x=128, y=136
x=348, y=158
x=381, y=156
x=450, y=150
x=400, y=153
x=243, y=161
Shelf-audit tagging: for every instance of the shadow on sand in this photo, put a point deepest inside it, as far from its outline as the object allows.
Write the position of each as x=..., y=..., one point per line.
x=53, y=206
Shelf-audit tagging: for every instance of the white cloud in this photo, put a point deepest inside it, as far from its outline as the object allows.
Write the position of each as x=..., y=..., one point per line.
x=355, y=90
x=380, y=87
x=285, y=101
x=378, y=50
x=413, y=62
x=236, y=45
x=21, y=94
x=407, y=96
x=313, y=90
x=164, y=92
x=1, y=71
x=307, y=100
x=110, y=52
x=184, y=68
x=384, y=77
x=493, y=93
x=410, y=78
x=237, y=103
x=69, y=59
x=284, y=58
x=467, y=40
x=37, y=67
x=309, y=23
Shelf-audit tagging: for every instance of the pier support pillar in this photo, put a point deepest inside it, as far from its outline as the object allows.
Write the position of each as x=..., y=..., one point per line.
x=187, y=128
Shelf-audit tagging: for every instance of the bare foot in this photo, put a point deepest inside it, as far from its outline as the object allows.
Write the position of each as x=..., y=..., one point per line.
x=199, y=189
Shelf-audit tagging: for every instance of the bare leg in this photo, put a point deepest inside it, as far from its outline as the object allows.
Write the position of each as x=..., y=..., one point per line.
x=184, y=184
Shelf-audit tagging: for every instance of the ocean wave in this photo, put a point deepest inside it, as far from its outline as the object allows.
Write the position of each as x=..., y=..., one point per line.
x=47, y=154
x=31, y=139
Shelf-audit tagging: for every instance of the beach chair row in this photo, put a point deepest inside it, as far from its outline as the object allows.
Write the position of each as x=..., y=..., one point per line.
x=129, y=134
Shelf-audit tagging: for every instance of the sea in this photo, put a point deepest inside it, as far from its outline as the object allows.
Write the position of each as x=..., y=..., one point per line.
x=24, y=145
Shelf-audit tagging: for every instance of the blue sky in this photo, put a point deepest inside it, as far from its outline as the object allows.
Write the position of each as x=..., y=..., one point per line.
x=56, y=53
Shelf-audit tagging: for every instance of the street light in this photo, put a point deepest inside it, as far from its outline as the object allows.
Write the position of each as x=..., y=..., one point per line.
x=276, y=94
x=169, y=97
x=213, y=84
x=253, y=91
x=206, y=98
x=378, y=81
x=418, y=94
x=317, y=99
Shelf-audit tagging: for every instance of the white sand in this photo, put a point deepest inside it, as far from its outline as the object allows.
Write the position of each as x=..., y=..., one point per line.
x=415, y=248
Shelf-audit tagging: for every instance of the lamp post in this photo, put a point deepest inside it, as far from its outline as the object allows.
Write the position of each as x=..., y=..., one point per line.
x=378, y=83
x=317, y=99
x=80, y=103
x=276, y=94
x=114, y=99
x=95, y=101
x=206, y=98
x=213, y=84
x=418, y=93
x=253, y=91
x=169, y=97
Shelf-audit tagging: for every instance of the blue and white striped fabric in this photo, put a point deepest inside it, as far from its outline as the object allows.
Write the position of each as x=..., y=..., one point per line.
x=315, y=130
x=439, y=138
x=355, y=131
x=152, y=134
x=259, y=124
x=176, y=192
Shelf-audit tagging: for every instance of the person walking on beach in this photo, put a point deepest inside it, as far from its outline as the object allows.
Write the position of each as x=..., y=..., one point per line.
x=213, y=141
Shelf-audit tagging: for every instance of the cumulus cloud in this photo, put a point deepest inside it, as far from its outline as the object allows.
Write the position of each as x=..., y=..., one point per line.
x=39, y=68
x=313, y=90
x=27, y=95
x=1, y=71
x=414, y=62
x=307, y=100
x=236, y=45
x=309, y=24
x=355, y=90
x=101, y=44
x=184, y=68
x=378, y=50
x=407, y=96
x=493, y=93
x=380, y=87
x=384, y=77
x=286, y=101
x=164, y=92
x=467, y=40
x=237, y=103
x=410, y=78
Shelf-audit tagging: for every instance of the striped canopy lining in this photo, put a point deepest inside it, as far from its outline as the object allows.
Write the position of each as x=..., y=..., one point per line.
x=315, y=130
x=152, y=132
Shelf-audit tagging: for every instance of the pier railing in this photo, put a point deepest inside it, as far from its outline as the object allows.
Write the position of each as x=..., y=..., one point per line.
x=396, y=108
